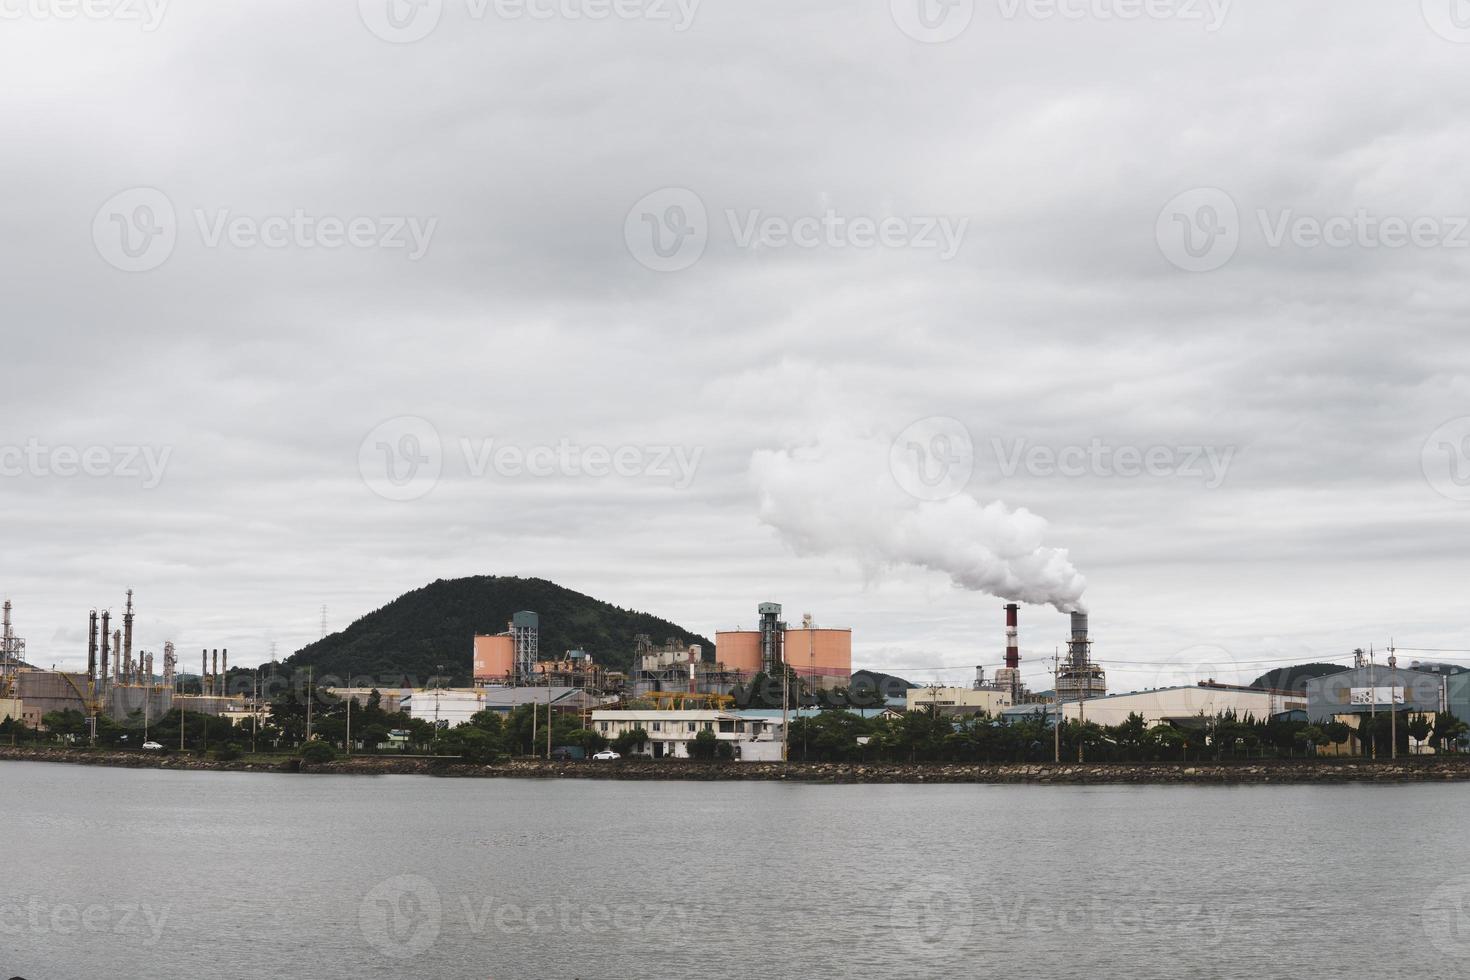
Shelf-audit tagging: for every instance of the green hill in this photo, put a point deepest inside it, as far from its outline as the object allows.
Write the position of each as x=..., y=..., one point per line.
x=418, y=632
x=1294, y=678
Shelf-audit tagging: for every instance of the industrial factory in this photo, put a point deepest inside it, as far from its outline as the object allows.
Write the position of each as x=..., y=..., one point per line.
x=117, y=683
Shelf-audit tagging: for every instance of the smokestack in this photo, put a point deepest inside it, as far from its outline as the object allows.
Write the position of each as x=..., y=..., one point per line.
x=91, y=648
x=105, y=617
x=214, y=671
x=117, y=652
x=148, y=668
x=224, y=681
x=1013, y=652
x=128, y=631
x=1077, y=646
x=203, y=669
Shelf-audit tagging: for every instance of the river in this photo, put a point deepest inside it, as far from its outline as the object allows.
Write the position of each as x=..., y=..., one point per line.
x=158, y=874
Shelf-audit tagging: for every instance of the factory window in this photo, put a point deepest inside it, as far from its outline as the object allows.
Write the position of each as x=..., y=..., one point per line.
x=603, y=725
x=658, y=726
x=725, y=726
x=691, y=726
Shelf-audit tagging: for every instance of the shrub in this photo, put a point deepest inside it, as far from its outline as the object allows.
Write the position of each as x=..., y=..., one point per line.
x=317, y=752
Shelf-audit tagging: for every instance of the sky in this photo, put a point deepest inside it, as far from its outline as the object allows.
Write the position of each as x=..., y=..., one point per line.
x=864, y=308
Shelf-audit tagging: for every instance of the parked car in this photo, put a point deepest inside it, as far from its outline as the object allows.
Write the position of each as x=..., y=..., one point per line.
x=153, y=746
x=605, y=755
x=568, y=753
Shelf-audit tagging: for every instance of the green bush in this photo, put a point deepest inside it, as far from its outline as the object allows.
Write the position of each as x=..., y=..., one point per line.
x=317, y=752
x=228, y=753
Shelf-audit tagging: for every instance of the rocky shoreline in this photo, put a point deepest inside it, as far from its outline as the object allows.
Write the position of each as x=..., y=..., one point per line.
x=1215, y=773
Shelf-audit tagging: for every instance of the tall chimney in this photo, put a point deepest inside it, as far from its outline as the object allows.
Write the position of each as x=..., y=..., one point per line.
x=224, y=683
x=128, y=630
x=117, y=652
x=1013, y=652
x=213, y=670
x=1077, y=647
x=92, y=651
x=105, y=617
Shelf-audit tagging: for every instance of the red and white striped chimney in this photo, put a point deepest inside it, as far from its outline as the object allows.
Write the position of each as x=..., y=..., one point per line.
x=1013, y=652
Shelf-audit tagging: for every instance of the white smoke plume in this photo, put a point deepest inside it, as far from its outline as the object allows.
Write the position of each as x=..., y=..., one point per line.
x=843, y=497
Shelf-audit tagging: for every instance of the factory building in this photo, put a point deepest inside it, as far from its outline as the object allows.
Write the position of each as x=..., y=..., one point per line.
x=958, y=700
x=670, y=732
x=509, y=657
x=1184, y=704
x=820, y=656
x=449, y=707
x=1373, y=687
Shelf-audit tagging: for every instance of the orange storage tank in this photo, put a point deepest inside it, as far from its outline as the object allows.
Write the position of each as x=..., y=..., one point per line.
x=495, y=657
x=824, y=655
x=739, y=650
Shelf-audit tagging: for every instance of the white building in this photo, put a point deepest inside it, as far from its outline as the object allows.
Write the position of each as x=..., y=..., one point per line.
x=1183, y=703
x=670, y=732
x=989, y=700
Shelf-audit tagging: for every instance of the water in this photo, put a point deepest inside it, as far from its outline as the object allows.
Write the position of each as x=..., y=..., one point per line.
x=119, y=873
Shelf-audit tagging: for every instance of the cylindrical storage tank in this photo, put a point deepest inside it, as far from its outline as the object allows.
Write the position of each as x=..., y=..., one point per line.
x=739, y=650
x=495, y=657
x=823, y=655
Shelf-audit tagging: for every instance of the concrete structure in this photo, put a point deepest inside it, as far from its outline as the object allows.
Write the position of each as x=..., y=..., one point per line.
x=1183, y=704
x=989, y=700
x=1078, y=678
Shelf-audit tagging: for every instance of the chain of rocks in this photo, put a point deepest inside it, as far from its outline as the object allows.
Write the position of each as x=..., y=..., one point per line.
x=1276, y=771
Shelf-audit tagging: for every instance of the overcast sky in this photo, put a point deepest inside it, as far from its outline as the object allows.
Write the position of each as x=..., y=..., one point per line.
x=1210, y=256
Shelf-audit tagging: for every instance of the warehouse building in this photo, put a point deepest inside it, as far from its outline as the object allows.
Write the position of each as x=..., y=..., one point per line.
x=1183, y=704
x=1374, y=687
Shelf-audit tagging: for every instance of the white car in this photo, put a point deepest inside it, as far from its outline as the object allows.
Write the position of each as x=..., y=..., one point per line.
x=605, y=755
x=152, y=746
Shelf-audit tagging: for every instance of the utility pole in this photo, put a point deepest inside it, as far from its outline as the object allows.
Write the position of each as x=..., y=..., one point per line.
x=1373, y=709
x=310, y=697
x=350, y=698
x=785, y=713
x=548, y=717
x=1056, y=699
x=1393, y=705
x=1081, y=721
x=254, y=710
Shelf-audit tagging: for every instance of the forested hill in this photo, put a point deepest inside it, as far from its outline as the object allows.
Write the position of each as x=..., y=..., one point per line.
x=1294, y=678
x=420, y=631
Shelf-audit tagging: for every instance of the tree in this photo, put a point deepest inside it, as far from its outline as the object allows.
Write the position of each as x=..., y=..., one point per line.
x=630, y=741
x=373, y=736
x=316, y=752
x=704, y=746
x=1447, y=730
x=1313, y=736
x=1420, y=728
